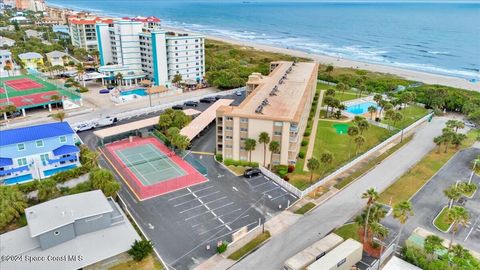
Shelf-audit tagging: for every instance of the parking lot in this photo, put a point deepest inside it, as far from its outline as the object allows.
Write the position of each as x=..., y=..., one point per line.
x=430, y=200
x=183, y=224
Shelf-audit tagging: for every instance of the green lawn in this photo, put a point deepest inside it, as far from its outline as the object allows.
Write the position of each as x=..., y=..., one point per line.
x=304, y=209
x=250, y=246
x=410, y=115
x=345, y=96
x=149, y=262
x=238, y=170
x=348, y=231
x=340, y=146
x=404, y=188
x=441, y=220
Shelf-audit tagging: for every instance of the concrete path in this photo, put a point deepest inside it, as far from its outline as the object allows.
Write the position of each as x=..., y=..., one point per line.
x=341, y=207
x=313, y=134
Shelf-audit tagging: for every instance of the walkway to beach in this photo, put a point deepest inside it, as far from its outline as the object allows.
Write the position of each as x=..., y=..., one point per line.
x=313, y=133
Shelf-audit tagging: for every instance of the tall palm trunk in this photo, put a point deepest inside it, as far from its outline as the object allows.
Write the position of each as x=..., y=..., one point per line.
x=452, y=237
x=366, y=225
x=264, y=153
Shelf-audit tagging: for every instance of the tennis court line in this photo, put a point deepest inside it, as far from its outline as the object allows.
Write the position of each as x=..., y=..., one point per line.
x=141, y=175
x=155, y=170
x=171, y=163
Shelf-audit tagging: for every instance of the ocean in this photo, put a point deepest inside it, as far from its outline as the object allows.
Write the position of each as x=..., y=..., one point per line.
x=441, y=38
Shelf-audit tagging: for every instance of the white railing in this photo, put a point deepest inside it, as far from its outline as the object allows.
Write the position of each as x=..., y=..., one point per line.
x=138, y=112
x=344, y=168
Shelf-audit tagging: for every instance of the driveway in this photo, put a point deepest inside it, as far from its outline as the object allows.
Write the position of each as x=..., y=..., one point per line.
x=341, y=207
x=430, y=200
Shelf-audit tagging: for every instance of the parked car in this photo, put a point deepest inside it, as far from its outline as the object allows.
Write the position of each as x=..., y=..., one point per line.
x=218, y=97
x=469, y=124
x=252, y=172
x=238, y=93
x=83, y=127
x=107, y=121
x=14, y=114
x=207, y=100
x=110, y=87
x=177, y=107
x=191, y=103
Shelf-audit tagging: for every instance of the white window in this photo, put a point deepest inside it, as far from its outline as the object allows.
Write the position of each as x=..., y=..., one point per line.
x=63, y=139
x=21, y=146
x=278, y=124
x=44, y=157
x=39, y=143
x=22, y=161
x=277, y=133
x=228, y=137
x=243, y=120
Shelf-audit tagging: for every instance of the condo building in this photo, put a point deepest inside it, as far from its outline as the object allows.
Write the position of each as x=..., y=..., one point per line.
x=278, y=104
x=82, y=31
x=138, y=48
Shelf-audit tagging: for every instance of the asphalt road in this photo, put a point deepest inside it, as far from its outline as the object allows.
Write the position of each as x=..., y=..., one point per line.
x=340, y=208
x=429, y=201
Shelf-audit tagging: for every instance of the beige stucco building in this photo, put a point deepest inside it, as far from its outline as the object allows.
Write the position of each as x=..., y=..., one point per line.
x=278, y=104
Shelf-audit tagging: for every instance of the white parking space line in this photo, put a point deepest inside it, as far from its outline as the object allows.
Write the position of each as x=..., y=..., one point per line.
x=280, y=196
x=191, y=208
x=182, y=203
x=264, y=183
x=210, y=211
x=265, y=192
x=219, y=216
x=203, y=188
x=180, y=196
x=473, y=227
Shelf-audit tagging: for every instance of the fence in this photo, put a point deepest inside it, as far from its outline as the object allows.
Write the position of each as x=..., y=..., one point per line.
x=344, y=168
x=137, y=112
x=384, y=257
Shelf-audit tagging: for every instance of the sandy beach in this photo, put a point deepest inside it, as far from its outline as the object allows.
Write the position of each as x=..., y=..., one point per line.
x=424, y=77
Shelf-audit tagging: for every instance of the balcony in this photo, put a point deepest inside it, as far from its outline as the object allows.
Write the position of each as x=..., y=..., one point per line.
x=293, y=127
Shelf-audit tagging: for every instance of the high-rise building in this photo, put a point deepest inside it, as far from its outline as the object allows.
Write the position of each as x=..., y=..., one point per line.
x=82, y=30
x=138, y=48
x=32, y=5
x=278, y=104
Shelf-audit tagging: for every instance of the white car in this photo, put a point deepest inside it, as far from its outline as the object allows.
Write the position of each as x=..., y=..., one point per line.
x=83, y=127
x=238, y=93
x=469, y=124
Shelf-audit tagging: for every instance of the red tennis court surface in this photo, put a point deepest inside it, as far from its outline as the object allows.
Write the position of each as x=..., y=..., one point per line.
x=159, y=183
x=2, y=91
x=23, y=84
x=28, y=100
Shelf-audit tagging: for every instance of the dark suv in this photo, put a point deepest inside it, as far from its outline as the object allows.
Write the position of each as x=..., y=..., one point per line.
x=191, y=103
x=177, y=107
x=207, y=100
x=252, y=172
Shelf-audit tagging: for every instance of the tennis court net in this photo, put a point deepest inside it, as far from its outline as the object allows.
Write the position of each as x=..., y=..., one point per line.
x=149, y=160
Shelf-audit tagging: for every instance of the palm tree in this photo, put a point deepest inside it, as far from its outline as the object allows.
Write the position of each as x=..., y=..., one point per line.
x=362, y=88
x=7, y=68
x=13, y=204
x=457, y=139
x=363, y=125
x=378, y=230
x=265, y=139
x=59, y=116
x=330, y=92
x=453, y=193
x=359, y=141
x=55, y=98
x=439, y=140
x=432, y=243
x=372, y=110
x=396, y=117
x=352, y=131
x=402, y=211
x=329, y=69
x=47, y=190
x=372, y=196
x=250, y=145
x=81, y=72
x=448, y=135
x=455, y=124
x=457, y=216
x=341, y=87
x=274, y=148
x=119, y=78
x=312, y=165
x=326, y=159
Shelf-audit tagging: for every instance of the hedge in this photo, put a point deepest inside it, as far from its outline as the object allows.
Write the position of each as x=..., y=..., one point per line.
x=219, y=157
x=242, y=163
x=301, y=155
x=304, y=142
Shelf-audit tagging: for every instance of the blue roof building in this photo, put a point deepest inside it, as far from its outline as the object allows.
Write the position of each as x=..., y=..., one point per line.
x=37, y=152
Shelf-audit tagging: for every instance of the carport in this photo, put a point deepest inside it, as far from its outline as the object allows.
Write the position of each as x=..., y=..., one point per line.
x=202, y=121
x=121, y=131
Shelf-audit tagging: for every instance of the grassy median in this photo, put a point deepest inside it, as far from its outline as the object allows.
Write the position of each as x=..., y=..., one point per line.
x=250, y=246
x=305, y=208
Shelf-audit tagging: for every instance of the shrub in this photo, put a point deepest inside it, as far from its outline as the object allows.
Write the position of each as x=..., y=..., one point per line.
x=291, y=168
x=80, y=188
x=219, y=157
x=28, y=187
x=83, y=89
x=307, y=133
x=281, y=170
x=304, y=143
x=222, y=248
x=301, y=155
x=141, y=249
x=243, y=163
x=286, y=178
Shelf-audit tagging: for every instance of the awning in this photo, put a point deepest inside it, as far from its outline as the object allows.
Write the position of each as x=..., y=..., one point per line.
x=14, y=170
x=5, y=162
x=157, y=89
x=69, y=158
x=65, y=149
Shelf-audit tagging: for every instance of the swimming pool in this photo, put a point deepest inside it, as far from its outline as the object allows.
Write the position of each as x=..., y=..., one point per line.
x=361, y=108
x=140, y=92
x=57, y=170
x=18, y=179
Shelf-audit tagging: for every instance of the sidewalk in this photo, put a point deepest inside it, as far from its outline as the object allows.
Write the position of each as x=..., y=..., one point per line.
x=311, y=142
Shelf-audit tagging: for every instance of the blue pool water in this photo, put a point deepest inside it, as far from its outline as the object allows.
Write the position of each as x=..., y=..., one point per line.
x=57, y=170
x=18, y=179
x=361, y=108
x=140, y=92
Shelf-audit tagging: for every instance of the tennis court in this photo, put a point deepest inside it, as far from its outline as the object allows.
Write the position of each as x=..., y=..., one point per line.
x=149, y=164
x=23, y=84
x=150, y=168
x=28, y=91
